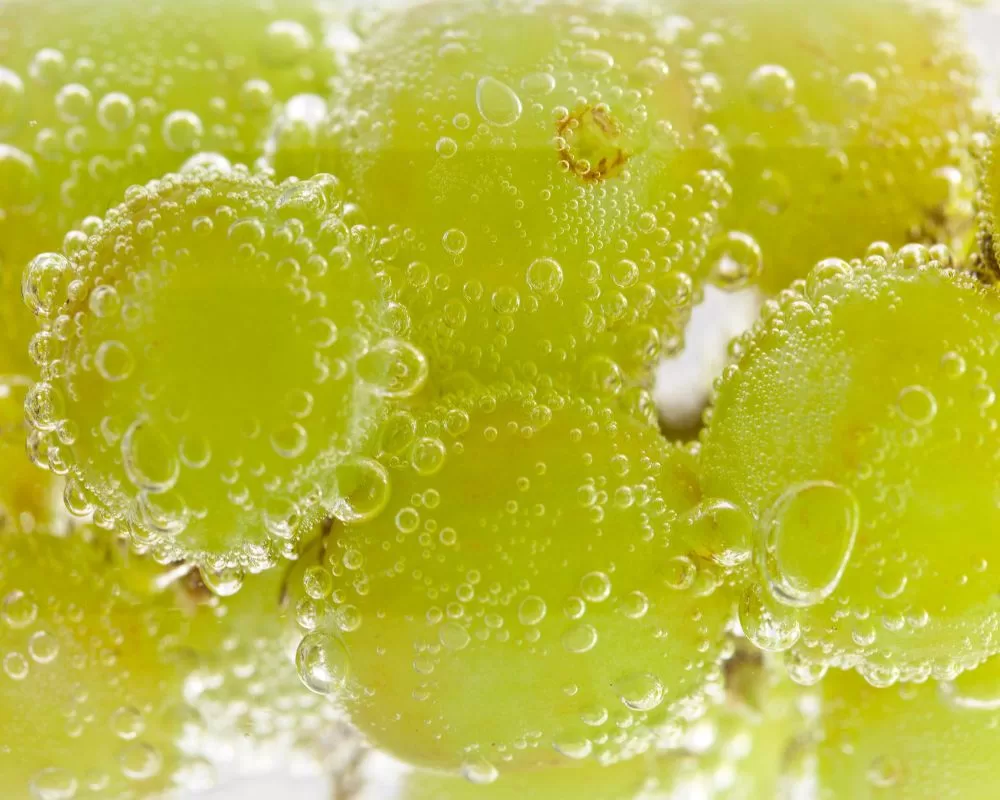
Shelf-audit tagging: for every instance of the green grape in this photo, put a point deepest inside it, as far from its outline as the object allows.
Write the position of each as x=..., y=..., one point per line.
x=744, y=748
x=536, y=181
x=507, y=589
x=208, y=355
x=985, y=148
x=915, y=741
x=98, y=95
x=91, y=679
x=846, y=122
x=858, y=427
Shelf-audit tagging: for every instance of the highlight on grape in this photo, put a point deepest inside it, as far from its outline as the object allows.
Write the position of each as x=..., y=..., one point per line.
x=329, y=334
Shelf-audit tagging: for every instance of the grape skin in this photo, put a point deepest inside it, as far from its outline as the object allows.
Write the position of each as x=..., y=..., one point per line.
x=844, y=400
x=201, y=377
x=915, y=741
x=523, y=552
x=847, y=122
x=537, y=209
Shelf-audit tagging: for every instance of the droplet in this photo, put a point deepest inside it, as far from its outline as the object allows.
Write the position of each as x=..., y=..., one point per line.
x=113, y=361
x=545, y=276
x=322, y=663
x=642, y=692
x=148, y=458
x=532, y=610
x=394, y=368
x=772, y=87
x=453, y=636
x=140, y=760
x=917, y=405
x=595, y=587
x=289, y=441
x=53, y=783
x=720, y=531
x=735, y=260
x=763, y=625
x=479, y=771
x=18, y=610
x=580, y=638
x=498, y=104
x=44, y=285
x=362, y=489
x=805, y=541
x=182, y=130
x=225, y=581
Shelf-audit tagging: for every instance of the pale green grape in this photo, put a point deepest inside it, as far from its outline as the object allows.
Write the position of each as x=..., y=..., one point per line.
x=96, y=95
x=510, y=590
x=90, y=675
x=916, y=741
x=208, y=356
x=746, y=747
x=847, y=123
x=536, y=181
x=858, y=427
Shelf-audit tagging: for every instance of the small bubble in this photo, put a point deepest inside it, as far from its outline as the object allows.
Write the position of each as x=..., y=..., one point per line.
x=362, y=488
x=453, y=636
x=479, y=771
x=771, y=87
x=224, y=582
x=15, y=666
x=497, y=103
x=595, y=587
x=53, y=783
x=545, y=276
x=322, y=663
x=182, y=131
x=884, y=772
x=735, y=260
x=18, y=610
x=762, y=626
x=45, y=281
x=140, y=760
x=446, y=147
x=43, y=647
x=642, y=692
x=917, y=405
x=127, y=722
x=579, y=638
x=454, y=241
x=113, y=361
x=394, y=368
x=532, y=610
x=148, y=458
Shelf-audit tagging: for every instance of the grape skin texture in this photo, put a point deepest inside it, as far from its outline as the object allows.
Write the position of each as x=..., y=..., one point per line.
x=847, y=122
x=915, y=741
x=446, y=601
x=847, y=412
x=537, y=210
x=200, y=363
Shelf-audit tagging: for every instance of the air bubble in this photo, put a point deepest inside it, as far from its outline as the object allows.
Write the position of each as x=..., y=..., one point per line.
x=322, y=663
x=806, y=539
x=498, y=104
x=363, y=490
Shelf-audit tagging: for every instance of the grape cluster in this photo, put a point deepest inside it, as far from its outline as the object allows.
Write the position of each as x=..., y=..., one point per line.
x=335, y=331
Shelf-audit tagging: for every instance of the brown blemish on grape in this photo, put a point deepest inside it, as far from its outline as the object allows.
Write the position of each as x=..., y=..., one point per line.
x=592, y=143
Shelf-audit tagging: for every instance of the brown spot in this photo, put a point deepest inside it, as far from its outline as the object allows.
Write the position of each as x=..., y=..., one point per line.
x=593, y=143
